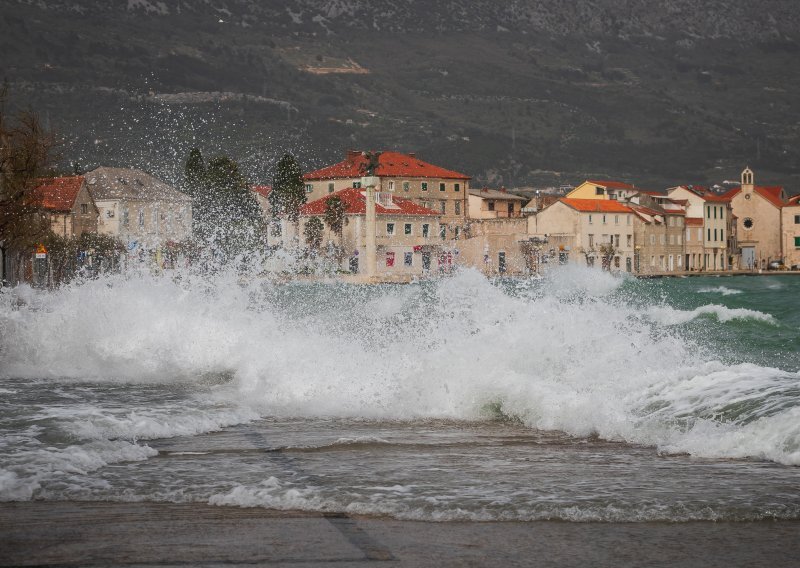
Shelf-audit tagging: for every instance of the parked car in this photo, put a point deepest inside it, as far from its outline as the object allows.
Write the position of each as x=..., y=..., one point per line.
x=777, y=265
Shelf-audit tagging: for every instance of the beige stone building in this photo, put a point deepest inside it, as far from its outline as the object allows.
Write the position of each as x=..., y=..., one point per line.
x=498, y=246
x=758, y=221
x=141, y=210
x=406, y=176
x=790, y=232
x=593, y=232
x=709, y=230
x=494, y=204
x=658, y=238
x=410, y=238
x=68, y=205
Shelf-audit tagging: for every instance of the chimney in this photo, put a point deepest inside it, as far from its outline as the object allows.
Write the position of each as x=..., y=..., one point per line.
x=353, y=154
x=412, y=154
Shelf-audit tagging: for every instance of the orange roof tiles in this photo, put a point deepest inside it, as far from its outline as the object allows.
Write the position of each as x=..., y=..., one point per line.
x=58, y=194
x=390, y=164
x=262, y=190
x=596, y=205
x=770, y=193
x=356, y=204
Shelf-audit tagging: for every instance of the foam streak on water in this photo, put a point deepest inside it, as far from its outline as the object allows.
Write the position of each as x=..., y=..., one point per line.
x=126, y=361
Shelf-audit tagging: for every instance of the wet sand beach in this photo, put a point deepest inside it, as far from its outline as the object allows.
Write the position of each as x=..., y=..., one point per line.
x=159, y=534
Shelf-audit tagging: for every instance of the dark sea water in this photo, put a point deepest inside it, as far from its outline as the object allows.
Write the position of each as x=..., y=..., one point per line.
x=577, y=396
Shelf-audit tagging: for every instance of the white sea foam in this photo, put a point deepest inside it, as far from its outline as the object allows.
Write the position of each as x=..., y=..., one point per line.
x=667, y=315
x=722, y=290
x=566, y=356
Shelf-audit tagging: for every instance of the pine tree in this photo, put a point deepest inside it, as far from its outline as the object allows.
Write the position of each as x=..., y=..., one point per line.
x=194, y=173
x=313, y=233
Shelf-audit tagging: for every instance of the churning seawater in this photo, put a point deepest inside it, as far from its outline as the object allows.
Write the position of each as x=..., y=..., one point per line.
x=577, y=396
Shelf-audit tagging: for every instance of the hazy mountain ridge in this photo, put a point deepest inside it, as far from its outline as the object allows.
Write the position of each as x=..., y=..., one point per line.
x=743, y=19
x=653, y=94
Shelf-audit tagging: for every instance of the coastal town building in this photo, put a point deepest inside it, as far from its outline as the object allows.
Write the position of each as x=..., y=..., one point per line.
x=790, y=233
x=758, y=220
x=709, y=229
x=604, y=189
x=658, y=234
x=498, y=246
x=427, y=185
x=410, y=239
x=594, y=232
x=69, y=207
x=142, y=211
x=494, y=204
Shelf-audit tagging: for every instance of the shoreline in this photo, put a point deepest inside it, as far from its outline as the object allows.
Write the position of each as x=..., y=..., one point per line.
x=87, y=533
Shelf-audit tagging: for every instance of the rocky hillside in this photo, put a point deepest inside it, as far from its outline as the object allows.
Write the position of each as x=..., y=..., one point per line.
x=514, y=93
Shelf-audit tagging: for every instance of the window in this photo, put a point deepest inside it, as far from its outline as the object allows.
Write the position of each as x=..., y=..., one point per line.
x=628, y=240
x=604, y=219
x=424, y=186
x=390, y=229
x=652, y=261
x=443, y=207
x=456, y=187
x=407, y=229
x=709, y=234
x=652, y=239
x=390, y=259
x=591, y=240
x=721, y=234
x=391, y=186
x=797, y=219
x=155, y=217
x=628, y=217
x=616, y=241
x=441, y=186
x=490, y=205
x=672, y=239
x=663, y=239
x=715, y=212
x=443, y=232
x=141, y=218
x=797, y=242
x=84, y=208
x=708, y=212
x=357, y=185
x=590, y=219
x=125, y=217
x=330, y=188
x=458, y=232
x=599, y=191
x=406, y=186
x=458, y=208
x=715, y=234
x=309, y=188
x=616, y=219
x=426, y=228
x=408, y=259
x=748, y=223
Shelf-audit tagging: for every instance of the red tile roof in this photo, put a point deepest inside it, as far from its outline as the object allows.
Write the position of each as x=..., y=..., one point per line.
x=794, y=200
x=694, y=221
x=58, y=194
x=356, y=204
x=596, y=205
x=390, y=164
x=262, y=190
x=770, y=193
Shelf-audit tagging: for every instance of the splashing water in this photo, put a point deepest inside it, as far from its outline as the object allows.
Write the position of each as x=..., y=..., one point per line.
x=578, y=351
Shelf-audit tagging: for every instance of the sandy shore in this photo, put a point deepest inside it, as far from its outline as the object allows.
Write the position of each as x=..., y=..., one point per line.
x=157, y=534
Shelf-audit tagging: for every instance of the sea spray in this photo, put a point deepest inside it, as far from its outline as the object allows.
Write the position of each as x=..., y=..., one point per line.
x=569, y=352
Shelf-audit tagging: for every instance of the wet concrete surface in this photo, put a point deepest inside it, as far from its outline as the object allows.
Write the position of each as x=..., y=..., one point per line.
x=161, y=534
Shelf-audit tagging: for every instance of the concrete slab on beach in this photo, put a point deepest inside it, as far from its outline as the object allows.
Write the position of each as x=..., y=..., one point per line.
x=162, y=534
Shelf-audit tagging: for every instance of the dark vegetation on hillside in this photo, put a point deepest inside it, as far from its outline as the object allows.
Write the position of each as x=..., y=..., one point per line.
x=516, y=107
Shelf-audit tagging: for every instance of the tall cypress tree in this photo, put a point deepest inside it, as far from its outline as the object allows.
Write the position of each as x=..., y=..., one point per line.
x=288, y=190
x=194, y=173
